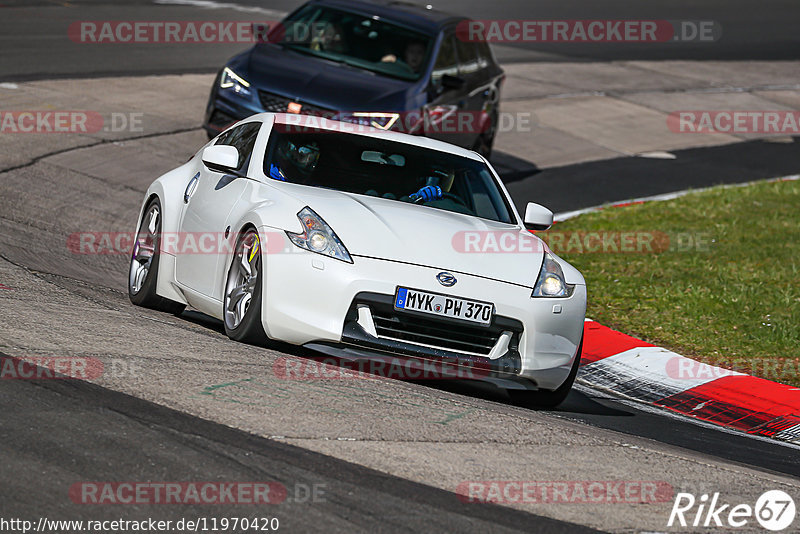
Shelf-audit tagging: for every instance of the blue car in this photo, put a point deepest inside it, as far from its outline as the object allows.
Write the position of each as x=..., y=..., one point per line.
x=394, y=66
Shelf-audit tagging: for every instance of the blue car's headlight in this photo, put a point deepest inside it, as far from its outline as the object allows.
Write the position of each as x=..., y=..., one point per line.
x=551, y=281
x=318, y=237
x=234, y=82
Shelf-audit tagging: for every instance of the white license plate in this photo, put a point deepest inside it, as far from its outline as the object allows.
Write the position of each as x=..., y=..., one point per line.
x=444, y=306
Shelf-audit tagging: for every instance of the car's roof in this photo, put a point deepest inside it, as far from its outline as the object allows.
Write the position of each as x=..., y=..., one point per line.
x=409, y=14
x=301, y=122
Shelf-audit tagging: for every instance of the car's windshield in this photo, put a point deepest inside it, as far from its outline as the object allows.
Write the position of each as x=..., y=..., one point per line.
x=359, y=41
x=387, y=169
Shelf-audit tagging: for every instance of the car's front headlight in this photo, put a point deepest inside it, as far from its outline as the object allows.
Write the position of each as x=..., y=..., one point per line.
x=231, y=80
x=551, y=281
x=376, y=119
x=318, y=237
x=383, y=121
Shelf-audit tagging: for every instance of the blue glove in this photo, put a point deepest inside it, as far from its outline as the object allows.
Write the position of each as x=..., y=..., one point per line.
x=427, y=193
x=275, y=173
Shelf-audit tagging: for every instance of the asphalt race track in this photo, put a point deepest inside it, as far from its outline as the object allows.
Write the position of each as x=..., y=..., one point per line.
x=36, y=46
x=180, y=402
x=189, y=448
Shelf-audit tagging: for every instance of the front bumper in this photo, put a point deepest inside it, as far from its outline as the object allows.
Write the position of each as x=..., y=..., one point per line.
x=226, y=107
x=310, y=300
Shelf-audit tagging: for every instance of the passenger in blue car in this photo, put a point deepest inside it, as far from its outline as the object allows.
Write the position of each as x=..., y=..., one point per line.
x=413, y=56
x=329, y=39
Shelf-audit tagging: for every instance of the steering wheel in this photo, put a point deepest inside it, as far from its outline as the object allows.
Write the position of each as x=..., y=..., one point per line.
x=445, y=194
x=454, y=197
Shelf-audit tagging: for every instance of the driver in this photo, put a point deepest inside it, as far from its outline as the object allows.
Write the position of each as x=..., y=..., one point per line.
x=329, y=39
x=294, y=162
x=436, y=185
x=413, y=56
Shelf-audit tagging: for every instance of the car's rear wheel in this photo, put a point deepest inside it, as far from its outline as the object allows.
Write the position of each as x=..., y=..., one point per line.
x=143, y=271
x=543, y=398
x=242, y=303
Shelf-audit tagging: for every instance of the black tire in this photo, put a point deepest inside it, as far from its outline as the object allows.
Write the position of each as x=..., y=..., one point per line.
x=249, y=329
x=543, y=398
x=145, y=295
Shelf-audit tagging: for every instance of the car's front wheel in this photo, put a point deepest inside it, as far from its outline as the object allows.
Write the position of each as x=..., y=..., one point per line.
x=548, y=398
x=242, y=304
x=143, y=271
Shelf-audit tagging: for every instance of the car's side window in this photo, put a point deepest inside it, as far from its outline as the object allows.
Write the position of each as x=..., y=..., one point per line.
x=484, y=54
x=446, y=60
x=468, y=61
x=244, y=139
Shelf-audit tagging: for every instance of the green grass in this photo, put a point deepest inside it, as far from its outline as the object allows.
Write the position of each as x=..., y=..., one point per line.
x=734, y=303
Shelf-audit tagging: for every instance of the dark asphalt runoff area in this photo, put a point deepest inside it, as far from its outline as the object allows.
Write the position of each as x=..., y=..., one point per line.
x=584, y=185
x=55, y=432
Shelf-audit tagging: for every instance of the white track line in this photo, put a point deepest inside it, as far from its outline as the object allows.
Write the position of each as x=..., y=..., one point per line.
x=210, y=4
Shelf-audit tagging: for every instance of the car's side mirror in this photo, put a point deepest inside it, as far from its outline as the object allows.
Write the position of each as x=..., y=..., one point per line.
x=537, y=217
x=221, y=158
x=452, y=82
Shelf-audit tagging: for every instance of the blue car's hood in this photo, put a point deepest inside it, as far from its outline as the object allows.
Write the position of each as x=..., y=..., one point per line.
x=324, y=83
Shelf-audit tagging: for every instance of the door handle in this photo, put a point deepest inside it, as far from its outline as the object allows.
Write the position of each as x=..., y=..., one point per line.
x=190, y=187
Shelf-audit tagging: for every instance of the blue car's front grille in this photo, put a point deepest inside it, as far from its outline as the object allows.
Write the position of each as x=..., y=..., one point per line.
x=280, y=104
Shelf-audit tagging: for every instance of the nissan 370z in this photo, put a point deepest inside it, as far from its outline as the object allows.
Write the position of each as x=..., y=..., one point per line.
x=360, y=243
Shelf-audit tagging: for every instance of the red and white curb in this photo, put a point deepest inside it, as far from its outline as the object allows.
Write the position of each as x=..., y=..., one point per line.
x=623, y=365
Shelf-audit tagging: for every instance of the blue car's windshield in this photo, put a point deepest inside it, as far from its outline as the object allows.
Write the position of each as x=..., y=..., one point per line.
x=359, y=41
x=388, y=169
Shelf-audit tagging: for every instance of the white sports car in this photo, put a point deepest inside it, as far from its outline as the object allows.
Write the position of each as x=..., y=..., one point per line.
x=363, y=244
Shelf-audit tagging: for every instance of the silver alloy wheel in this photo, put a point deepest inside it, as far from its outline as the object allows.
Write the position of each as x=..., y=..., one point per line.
x=242, y=278
x=144, y=249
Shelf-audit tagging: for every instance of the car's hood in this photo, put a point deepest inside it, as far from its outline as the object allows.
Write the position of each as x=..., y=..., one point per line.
x=323, y=83
x=399, y=231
